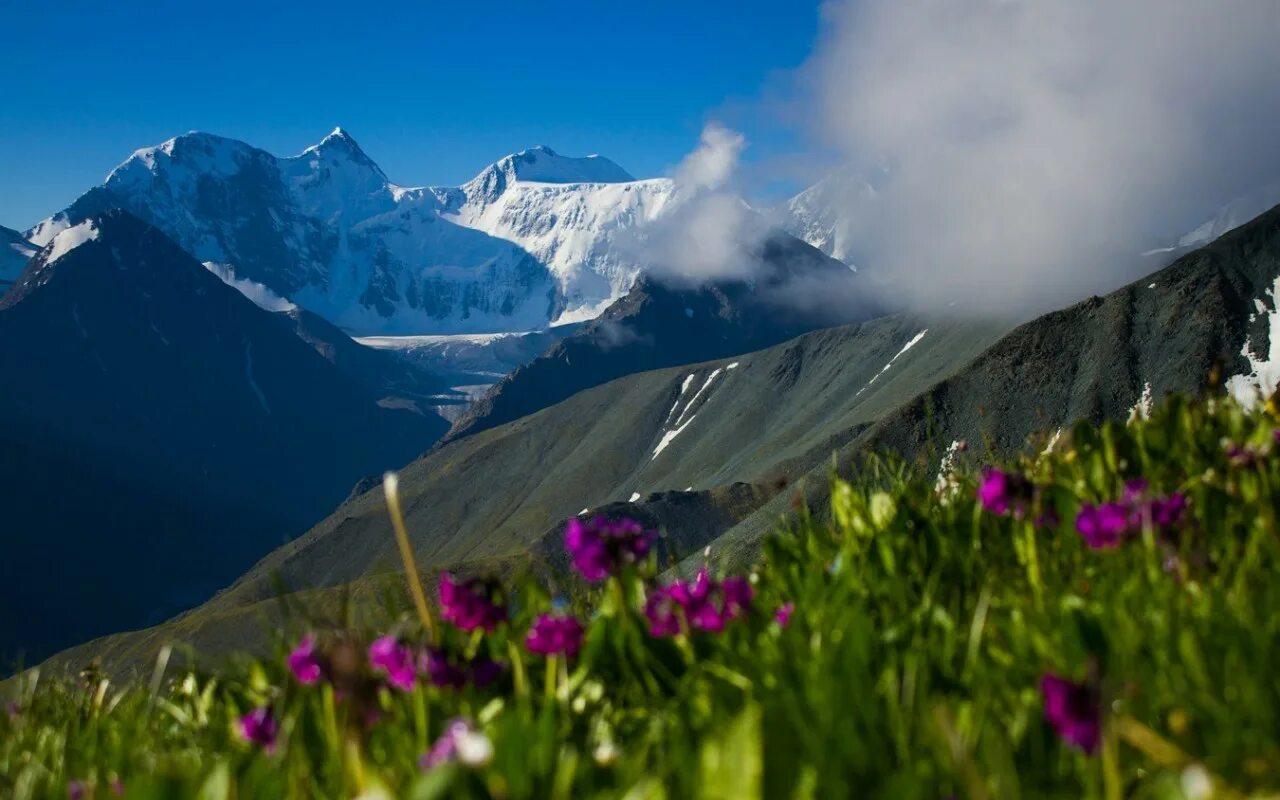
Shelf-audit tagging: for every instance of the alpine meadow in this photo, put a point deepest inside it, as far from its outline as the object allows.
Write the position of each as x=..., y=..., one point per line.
x=855, y=398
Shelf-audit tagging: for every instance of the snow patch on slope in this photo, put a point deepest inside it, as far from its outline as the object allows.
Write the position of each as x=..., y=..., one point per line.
x=914, y=341
x=669, y=436
x=1264, y=372
x=261, y=296
x=71, y=238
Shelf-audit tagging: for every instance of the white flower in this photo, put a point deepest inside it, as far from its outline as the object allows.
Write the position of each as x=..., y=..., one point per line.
x=473, y=748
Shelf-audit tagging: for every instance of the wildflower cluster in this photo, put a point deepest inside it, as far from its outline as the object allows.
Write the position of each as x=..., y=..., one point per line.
x=906, y=644
x=1108, y=525
x=704, y=604
x=601, y=547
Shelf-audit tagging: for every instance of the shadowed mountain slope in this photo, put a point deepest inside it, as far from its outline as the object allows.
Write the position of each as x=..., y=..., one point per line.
x=160, y=433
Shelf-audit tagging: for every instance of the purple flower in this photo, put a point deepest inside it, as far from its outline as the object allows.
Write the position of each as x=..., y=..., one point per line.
x=1103, y=526
x=662, y=609
x=600, y=547
x=260, y=727
x=1241, y=456
x=461, y=741
x=485, y=671
x=1167, y=512
x=783, y=615
x=445, y=671
x=77, y=790
x=722, y=602
x=304, y=663
x=1074, y=710
x=117, y=787
x=1000, y=492
x=555, y=634
x=1135, y=489
x=471, y=604
x=393, y=657
x=706, y=604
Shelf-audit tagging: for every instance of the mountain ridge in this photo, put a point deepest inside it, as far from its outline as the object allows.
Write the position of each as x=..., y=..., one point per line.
x=163, y=432
x=328, y=230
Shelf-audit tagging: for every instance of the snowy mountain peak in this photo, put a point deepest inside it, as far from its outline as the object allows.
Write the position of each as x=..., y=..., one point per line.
x=541, y=164
x=340, y=146
x=195, y=150
x=823, y=215
x=70, y=239
x=527, y=243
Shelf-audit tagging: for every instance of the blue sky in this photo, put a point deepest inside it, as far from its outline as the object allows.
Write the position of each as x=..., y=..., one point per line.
x=432, y=91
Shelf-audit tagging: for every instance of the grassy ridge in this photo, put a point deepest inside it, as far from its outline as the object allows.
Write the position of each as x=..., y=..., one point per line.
x=924, y=624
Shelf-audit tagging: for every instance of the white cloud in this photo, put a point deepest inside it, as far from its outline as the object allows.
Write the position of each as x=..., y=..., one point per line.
x=1023, y=150
x=706, y=232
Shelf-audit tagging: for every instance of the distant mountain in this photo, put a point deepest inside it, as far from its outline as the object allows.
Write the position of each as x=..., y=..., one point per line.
x=397, y=382
x=525, y=243
x=659, y=325
x=834, y=213
x=1227, y=218
x=470, y=363
x=824, y=214
x=15, y=252
x=569, y=214
x=161, y=432
x=708, y=449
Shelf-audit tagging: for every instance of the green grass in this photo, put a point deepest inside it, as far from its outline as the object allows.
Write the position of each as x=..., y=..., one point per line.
x=910, y=667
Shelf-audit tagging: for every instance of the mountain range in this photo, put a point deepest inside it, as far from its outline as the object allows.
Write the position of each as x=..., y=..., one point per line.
x=716, y=453
x=524, y=244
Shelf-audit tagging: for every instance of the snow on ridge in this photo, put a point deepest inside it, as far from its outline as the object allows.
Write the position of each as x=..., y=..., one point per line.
x=70, y=238
x=669, y=436
x=261, y=296
x=710, y=378
x=1264, y=373
x=684, y=387
x=914, y=341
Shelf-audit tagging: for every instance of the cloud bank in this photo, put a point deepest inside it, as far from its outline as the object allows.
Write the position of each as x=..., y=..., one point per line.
x=706, y=232
x=1023, y=152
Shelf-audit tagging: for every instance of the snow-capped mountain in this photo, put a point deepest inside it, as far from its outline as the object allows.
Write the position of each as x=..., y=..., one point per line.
x=524, y=244
x=567, y=213
x=15, y=252
x=1227, y=218
x=823, y=215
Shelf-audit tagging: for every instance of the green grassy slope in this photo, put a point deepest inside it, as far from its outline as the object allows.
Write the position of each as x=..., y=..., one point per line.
x=1174, y=331
x=773, y=417
x=928, y=636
